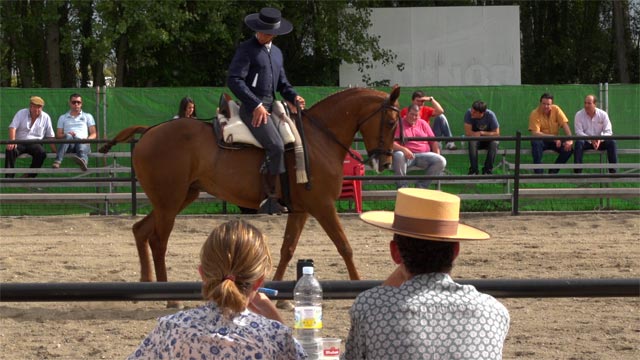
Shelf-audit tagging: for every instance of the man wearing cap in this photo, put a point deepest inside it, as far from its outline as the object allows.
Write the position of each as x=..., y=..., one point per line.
x=29, y=124
x=255, y=74
x=420, y=312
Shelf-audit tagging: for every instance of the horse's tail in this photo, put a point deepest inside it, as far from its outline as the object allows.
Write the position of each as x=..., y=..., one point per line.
x=123, y=136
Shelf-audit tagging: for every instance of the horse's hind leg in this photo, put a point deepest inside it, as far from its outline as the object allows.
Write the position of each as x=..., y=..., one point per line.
x=142, y=231
x=162, y=226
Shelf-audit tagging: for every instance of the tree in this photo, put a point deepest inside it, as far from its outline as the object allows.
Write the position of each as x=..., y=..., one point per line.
x=53, y=43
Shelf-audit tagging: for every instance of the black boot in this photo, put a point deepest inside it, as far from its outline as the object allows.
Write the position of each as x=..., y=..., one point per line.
x=270, y=205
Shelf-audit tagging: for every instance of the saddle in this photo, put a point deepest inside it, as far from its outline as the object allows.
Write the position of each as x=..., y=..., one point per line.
x=233, y=133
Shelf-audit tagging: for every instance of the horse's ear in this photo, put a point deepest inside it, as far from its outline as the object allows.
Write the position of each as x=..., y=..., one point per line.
x=395, y=94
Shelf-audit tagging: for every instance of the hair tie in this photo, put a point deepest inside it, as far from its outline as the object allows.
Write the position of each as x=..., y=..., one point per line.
x=229, y=277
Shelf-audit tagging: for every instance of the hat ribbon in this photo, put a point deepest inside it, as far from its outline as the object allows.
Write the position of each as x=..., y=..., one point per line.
x=418, y=226
x=271, y=25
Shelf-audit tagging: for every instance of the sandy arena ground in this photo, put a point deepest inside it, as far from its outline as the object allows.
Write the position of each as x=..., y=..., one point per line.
x=89, y=248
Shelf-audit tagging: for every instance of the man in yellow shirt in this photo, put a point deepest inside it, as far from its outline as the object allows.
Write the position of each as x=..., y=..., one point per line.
x=546, y=120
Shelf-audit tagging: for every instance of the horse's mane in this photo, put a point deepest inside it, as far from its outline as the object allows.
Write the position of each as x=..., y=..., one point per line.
x=347, y=92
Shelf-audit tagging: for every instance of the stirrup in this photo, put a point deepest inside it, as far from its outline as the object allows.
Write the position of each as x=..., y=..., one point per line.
x=271, y=206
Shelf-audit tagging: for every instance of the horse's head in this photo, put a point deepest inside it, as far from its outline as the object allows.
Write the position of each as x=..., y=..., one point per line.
x=378, y=131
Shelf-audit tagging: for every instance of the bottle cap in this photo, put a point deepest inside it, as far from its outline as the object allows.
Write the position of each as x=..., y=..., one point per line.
x=307, y=270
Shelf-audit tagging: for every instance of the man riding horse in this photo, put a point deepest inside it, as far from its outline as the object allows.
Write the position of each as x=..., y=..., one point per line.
x=255, y=74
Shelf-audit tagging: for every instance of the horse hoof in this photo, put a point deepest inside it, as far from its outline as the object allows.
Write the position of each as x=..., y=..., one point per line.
x=284, y=305
x=174, y=305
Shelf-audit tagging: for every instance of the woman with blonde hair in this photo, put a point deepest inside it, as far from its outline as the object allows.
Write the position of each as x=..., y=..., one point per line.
x=236, y=322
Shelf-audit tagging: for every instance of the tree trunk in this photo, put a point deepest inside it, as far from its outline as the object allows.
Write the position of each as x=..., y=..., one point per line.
x=121, y=55
x=52, y=46
x=620, y=17
x=98, y=73
x=86, y=14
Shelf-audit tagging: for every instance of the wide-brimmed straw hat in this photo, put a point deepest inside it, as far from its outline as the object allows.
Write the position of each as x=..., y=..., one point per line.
x=268, y=21
x=425, y=214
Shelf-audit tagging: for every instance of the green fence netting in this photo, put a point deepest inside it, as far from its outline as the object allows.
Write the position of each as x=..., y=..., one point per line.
x=118, y=108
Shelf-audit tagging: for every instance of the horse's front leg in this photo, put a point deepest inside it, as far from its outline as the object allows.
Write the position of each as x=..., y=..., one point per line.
x=295, y=223
x=331, y=225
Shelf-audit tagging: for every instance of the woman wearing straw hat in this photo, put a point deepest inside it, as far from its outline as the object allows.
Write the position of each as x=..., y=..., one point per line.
x=255, y=74
x=420, y=312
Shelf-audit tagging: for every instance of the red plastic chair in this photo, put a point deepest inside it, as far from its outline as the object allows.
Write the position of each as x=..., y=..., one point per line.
x=352, y=189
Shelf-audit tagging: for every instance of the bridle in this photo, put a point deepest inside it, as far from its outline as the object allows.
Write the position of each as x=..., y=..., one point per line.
x=386, y=105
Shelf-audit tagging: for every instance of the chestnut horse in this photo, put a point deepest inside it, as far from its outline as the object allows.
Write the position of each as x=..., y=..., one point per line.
x=176, y=160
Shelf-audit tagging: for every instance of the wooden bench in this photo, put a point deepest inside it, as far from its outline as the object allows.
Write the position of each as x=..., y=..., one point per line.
x=391, y=195
x=579, y=193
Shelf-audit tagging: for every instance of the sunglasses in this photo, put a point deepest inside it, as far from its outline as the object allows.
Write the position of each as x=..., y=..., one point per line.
x=76, y=102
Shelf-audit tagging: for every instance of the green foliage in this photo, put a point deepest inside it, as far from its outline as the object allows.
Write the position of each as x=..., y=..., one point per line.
x=146, y=43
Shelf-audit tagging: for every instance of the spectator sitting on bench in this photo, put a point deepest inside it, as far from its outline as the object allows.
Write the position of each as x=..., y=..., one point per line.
x=440, y=125
x=420, y=153
x=75, y=124
x=187, y=109
x=546, y=120
x=592, y=121
x=480, y=121
x=29, y=124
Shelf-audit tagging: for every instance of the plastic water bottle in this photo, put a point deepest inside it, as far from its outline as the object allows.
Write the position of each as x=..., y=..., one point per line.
x=307, y=298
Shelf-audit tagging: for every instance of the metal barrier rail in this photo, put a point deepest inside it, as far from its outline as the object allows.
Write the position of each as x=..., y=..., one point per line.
x=516, y=177
x=332, y=290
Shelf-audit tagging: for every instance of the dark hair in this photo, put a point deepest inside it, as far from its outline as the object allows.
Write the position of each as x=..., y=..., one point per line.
x=425, y=256
x=479, y=106
x=74, y=95
x=183, y=107
x=417, y=94
x=546, y=96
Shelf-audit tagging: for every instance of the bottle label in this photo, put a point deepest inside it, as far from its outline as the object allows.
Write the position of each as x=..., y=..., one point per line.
x=308, y=317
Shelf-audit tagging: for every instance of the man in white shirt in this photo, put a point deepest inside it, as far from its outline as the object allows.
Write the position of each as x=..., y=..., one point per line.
x=592, y=121
x=75, y=124
x=29, y=124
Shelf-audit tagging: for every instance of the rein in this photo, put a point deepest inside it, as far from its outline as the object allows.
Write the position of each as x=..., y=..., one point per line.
x=379, y=150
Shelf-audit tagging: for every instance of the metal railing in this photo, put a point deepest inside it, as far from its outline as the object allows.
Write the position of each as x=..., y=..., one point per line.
x=334, y=290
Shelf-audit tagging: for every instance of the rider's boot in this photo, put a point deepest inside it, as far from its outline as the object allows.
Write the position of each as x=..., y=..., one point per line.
x=270, y=205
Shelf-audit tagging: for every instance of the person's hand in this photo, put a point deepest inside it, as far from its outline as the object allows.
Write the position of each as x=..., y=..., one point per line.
x=567, y=145
x=558, y=144
x=595, y=144
x=408, y=153
x=260, y=116
x=300, y=100
x=11, y=146
x=262, y=305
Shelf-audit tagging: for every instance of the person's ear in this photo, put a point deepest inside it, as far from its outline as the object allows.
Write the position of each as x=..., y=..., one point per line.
x=258, y=283
x=456, y=250
x=395, y=252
